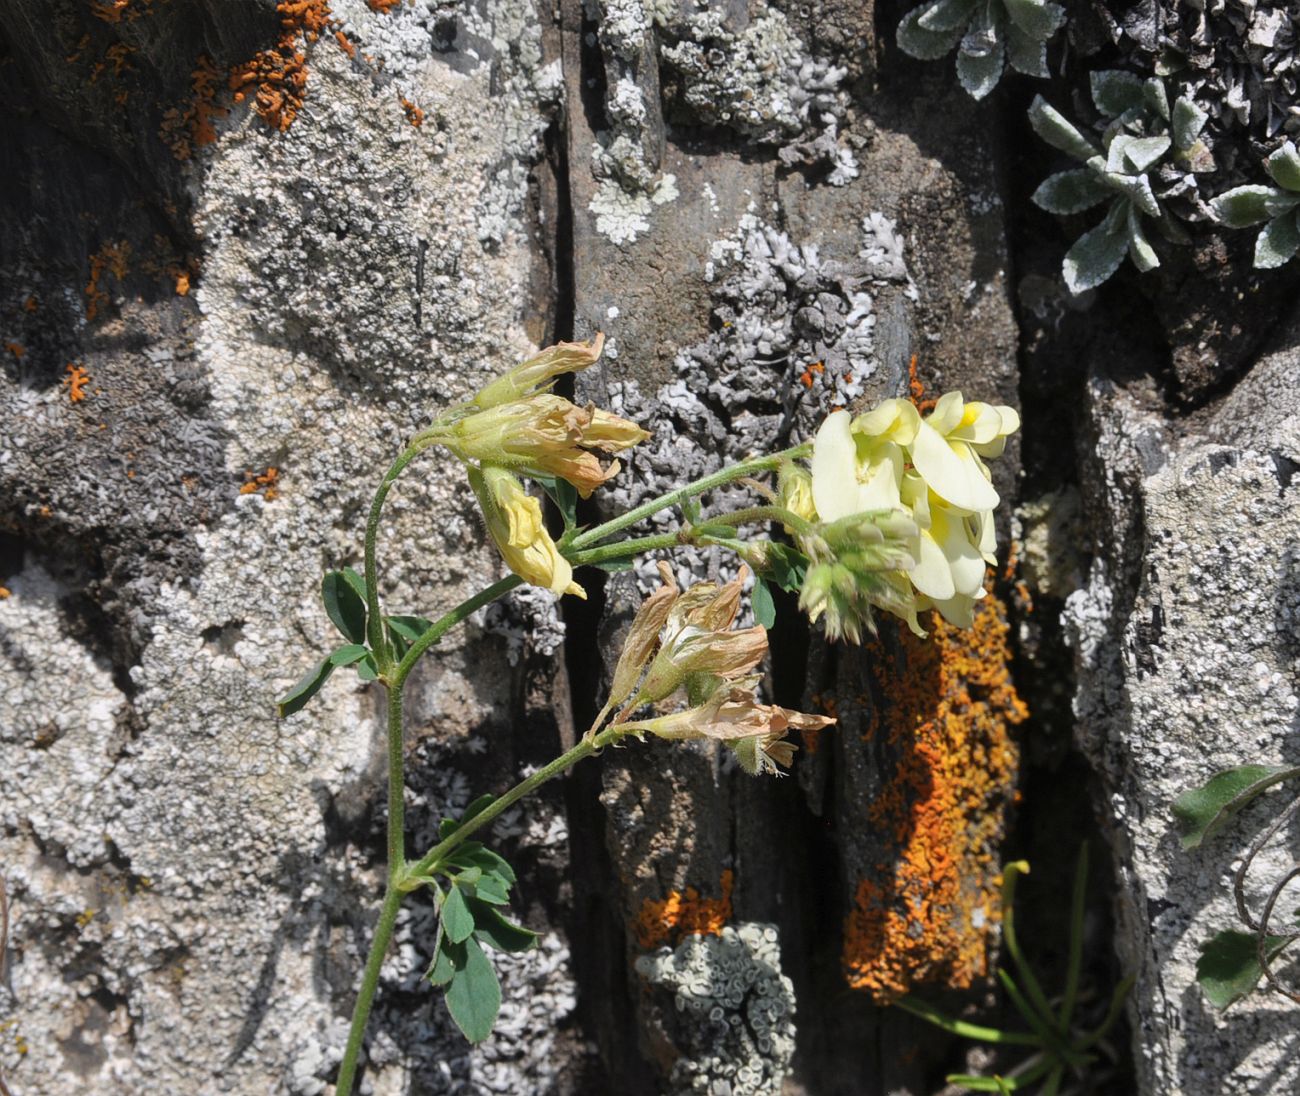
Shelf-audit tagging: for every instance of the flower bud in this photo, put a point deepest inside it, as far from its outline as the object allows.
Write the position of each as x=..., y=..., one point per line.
x=514, y=521
x=538, y=373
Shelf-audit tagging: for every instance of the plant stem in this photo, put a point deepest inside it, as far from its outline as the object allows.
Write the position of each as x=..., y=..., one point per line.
x=681, y=494
x=396, y=788
x=448, y=621
x=374, y=616
x=582, y=750
x=369, y=983
x=626, y=549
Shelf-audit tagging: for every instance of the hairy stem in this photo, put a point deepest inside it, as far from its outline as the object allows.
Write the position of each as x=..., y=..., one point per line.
x=369, y=983
x=449, y=620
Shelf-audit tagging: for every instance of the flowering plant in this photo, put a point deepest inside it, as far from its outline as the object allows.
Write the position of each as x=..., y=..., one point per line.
x=886, y=511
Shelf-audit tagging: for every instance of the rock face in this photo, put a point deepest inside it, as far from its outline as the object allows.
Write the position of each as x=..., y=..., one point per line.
x=1186, y=639
x=249, y=246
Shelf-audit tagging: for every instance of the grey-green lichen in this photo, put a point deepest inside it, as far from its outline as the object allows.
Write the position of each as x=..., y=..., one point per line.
x=732, y=1014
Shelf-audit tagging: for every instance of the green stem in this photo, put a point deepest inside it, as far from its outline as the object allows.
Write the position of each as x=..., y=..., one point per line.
x=966, y=1030
x=396, y=787
x=374, y=616
x=626, y=549
x=752, y=514
x=582, y=750
x=681, y=494
x=447, y=621
x=369, y=983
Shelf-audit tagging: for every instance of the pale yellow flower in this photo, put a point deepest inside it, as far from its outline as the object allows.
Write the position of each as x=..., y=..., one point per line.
x=538, y=373
x=514, y=521
x=949, y=444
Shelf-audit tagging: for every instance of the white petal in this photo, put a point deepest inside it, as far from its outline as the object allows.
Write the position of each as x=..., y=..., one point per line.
x=981, y=423
x=894, y=419
x=931, y=575
x=835, y=469
x=986, y=537
x=958, y=611
x=964, y=559
x=957, y=480
x=881, y=491
x=1010, y=419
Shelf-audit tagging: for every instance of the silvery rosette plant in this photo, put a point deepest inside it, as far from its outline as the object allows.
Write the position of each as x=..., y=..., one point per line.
x=987, y=35
x=887, y=511
x=1279, y=206
x=1139, y=132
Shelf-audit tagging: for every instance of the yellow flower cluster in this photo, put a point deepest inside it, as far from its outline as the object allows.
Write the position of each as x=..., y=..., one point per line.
x=929, y=473
x=514, y=426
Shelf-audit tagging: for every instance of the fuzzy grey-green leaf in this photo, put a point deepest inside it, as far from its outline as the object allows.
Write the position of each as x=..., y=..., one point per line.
x=945, y=16
x=1284, y=166
x=1188, y=121
x=1228, y=967
x=1115, y=91
x=1054, y=128
x=979, y=73
x=1036, y=18
x=1242, y=206
x=1070, y=192
x=1095, y=256
x=925, y=45
x=474, y=996
x=1025, y=53
x=1278, y=242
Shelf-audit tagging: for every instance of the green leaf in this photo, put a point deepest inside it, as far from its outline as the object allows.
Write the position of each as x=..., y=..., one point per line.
x=346, y=607
x=1130, y=155
x=296, y=698
x=1026, y=54
x=1284, y=166
x=924, y=45
x=456, y=918
x=1243, y=205
x=1036, y=18
x=785, y=566
x=474, y=996
x=468, y=876
x=1095, y=256
x=409, y=628
x=347, y=655
x=492, y=889
x=493, y=929
x=446, y=958
x=1202, y=812
x=1114, y=92
x=1155, y=97
x=942, y=16
x=367, y=670
x=764, y=606
x=1228, y=968
x=490, y=862
x=1057, y=131
x=612, y=566
x=449, y=826
x=1139, y=247
x=1188, y=121
x=1071, y=192
x=1278, y=241
x=978, y=71
x=356, y=582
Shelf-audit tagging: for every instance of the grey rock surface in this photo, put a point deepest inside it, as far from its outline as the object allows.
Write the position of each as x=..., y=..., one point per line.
x=1186, y=640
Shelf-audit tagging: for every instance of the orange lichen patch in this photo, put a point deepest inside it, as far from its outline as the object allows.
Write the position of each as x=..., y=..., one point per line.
x=927, y=914
x=346, y=44
x=183, y=283
x=184, y=131
x=111, y=259
x=29, y=305
x=916, y=389
x=383, y=5
x=809, y=376
x=75, y=382
x=5, y=593
x=264, y=482
x=279, y=74
x=683, y=913
x=110, y=11
x=414, y=114
x=15, y=349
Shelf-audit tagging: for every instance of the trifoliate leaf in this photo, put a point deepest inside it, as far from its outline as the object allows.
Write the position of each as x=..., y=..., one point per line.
x=1277, y=242
x=924, y=45
x=1242, y=206
x=344, y=606
x=1284, y=166
x=1228, y=967
x=1095, y=256
x=1202, y=812
x=1057, y=131
x=493, y=889
x=446, y=958
x=1071, y=192
x=490, y=862
x=1114, y=92
x=457, y=921
x=474, y=996
x=1036, y=18
x=306, y=688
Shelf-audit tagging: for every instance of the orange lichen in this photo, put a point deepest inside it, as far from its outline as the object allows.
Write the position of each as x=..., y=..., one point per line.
x=683, y=913
x=82, y=43
x=5, y=593
x=382, y=6
x=264, y=482
x=808, y=377
x=916, y=389
x=927, y=913
x=184, y=131
x=110, y=11
x=15, y=349
x=112, y=259
x=414, y=114
x=346, y=44
x=75, y=382
x=29, y=305
x=279, y=74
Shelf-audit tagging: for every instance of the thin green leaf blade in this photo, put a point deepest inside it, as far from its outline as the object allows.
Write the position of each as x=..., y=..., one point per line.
x=764, y=606
x=447, y=957
x=348, y=654
x=345, y=607
x=498, y=932
x=1202, y=812
x=307, y=687
x=474, y=996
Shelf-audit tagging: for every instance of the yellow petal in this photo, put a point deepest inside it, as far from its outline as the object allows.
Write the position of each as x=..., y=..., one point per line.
x=896, y=420
x=834, y=468
x=952, y=471
x=947, y=413
x=932, y=575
